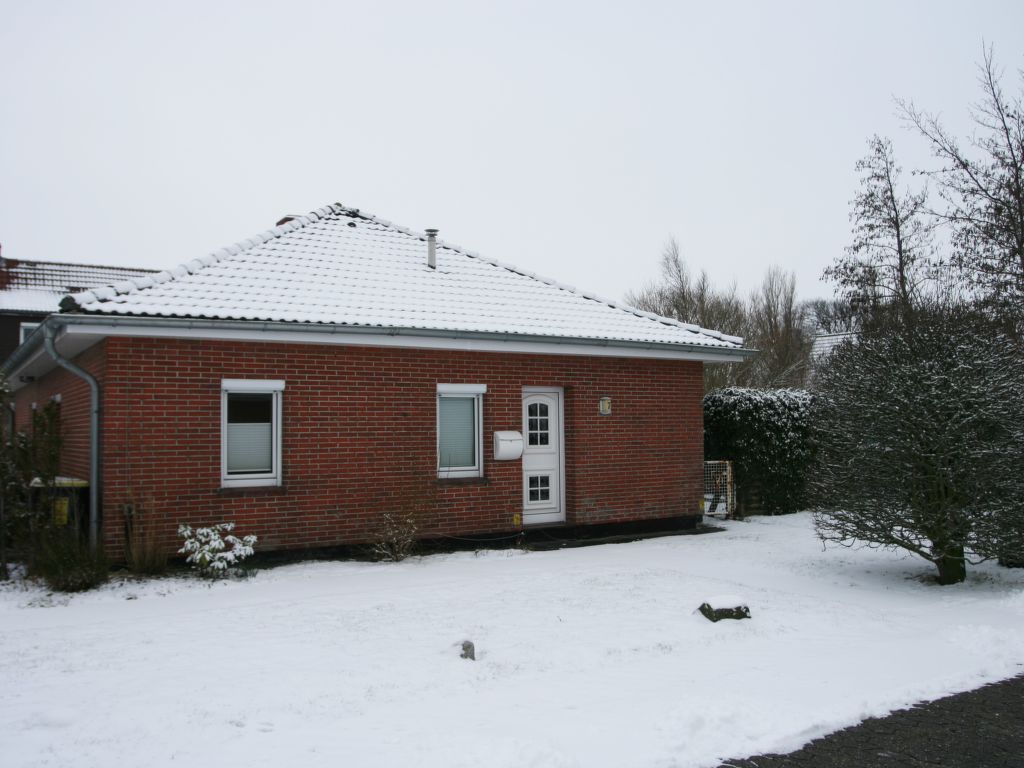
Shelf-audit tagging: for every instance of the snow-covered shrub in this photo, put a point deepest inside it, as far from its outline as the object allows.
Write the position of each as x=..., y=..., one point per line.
x=766, y=434
x=921, y=444
x=210, y=551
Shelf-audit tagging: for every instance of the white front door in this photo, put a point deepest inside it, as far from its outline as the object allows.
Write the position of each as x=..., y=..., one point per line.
x=543, y=488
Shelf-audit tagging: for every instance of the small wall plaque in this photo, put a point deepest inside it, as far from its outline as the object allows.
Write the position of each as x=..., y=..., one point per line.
x=605, y=406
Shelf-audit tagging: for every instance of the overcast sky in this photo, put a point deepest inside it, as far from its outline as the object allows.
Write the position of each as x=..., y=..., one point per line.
x=571, y=139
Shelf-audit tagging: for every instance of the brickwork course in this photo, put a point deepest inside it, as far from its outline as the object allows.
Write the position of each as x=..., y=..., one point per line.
x=983, y=728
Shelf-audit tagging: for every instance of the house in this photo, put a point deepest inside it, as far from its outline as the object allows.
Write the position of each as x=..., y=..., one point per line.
x=31, y=290
x=306, y=381
x=822, y=347
x=823, y=344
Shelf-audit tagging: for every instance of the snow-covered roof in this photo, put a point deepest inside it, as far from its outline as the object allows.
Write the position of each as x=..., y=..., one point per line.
x=37, y=286
x=823, y=344
x=342, y=267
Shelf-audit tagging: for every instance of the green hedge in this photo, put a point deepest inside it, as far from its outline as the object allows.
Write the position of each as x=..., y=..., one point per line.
x=766, y=434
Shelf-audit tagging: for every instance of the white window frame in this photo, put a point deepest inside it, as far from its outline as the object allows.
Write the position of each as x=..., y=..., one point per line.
x=467, y=391
x=25, y=330
x=274, y=387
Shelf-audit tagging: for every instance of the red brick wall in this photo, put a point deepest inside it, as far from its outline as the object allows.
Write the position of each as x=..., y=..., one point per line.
x=359, y=436
x=74, y=408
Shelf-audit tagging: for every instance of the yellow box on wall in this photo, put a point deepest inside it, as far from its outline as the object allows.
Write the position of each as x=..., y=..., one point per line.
x=60, y=510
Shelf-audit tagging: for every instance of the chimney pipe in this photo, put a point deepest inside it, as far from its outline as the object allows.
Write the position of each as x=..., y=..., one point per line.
x=432, y=248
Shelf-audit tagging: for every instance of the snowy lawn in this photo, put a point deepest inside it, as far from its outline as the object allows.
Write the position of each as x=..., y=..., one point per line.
x=585, y=657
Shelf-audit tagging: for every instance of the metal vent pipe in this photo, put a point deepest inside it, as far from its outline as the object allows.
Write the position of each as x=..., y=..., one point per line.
x=432, y=248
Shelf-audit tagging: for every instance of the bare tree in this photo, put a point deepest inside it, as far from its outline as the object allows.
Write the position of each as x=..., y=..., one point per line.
x=831, y=316
x=779, y=329
x=771, y=320
x=695, y=300
x=691, y=300
x=891, y=261
x=982, y=186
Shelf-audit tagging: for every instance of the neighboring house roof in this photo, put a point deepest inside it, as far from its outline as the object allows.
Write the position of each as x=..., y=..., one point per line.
x=823, y=344
x=342, y=267
x=38, y=286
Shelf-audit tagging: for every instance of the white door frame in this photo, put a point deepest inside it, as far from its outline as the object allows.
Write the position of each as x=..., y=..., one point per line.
x=559, y=393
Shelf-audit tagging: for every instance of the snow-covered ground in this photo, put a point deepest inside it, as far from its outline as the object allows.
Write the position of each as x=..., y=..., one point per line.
x=585, y=657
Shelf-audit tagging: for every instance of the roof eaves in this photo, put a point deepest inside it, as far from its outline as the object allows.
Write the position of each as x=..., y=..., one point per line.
x=24, y=353
x=115, y=320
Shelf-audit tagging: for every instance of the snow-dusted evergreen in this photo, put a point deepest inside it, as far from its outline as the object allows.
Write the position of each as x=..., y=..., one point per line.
x=920, y=442
x=212, y=552
x=765, y=432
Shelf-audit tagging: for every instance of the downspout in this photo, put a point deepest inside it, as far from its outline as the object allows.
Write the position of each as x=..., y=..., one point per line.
x=94, y=432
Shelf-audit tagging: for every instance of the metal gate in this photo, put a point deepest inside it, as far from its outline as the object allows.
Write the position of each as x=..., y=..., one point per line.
x=719, y=489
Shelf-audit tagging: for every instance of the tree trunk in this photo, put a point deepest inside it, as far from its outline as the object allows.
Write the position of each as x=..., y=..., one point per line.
x=952, y=565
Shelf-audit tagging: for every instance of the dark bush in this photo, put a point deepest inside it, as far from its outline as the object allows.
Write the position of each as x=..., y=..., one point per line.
x=65, y=562
x=766, y=434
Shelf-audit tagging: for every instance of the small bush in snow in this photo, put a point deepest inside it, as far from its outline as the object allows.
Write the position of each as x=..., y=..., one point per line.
x=211, y=552
x=766, y=433
x=395, y=537
x=408, y=501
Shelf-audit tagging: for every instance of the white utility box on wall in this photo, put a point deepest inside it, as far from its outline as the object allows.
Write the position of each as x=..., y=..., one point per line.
x=508, y=446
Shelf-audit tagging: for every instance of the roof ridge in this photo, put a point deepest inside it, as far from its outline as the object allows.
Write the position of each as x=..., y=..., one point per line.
x=107, y=293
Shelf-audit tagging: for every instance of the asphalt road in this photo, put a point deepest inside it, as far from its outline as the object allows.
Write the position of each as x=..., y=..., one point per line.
x=983, y=728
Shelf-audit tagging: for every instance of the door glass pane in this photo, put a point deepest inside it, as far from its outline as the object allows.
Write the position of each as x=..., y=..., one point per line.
x=457, y=431
x=537, y=429
x=250, y=432
x=540, y=488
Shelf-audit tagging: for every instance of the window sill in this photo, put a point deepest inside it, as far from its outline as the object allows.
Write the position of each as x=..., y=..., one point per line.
x=252, y=490
x=463, y=481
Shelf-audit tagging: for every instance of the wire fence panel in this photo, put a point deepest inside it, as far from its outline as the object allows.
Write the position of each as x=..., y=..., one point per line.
x=719, y=489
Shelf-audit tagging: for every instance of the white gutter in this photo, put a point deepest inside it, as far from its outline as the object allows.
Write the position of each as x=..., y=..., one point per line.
x=388, y=336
